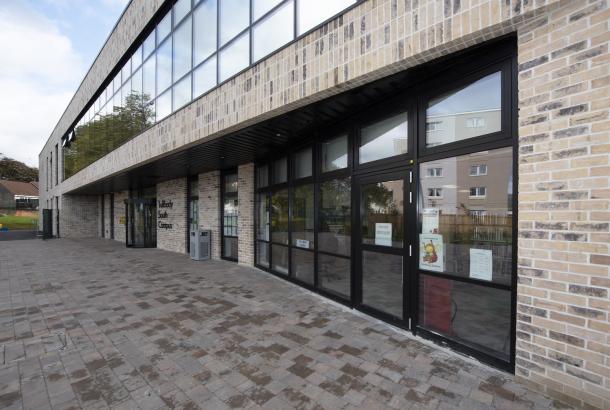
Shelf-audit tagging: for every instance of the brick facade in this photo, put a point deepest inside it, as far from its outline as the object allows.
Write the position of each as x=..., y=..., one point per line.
x=245, y=222
x=209, y=207
x=172, y=223
x=79, y=216
x=563, y=334
x=119, y=215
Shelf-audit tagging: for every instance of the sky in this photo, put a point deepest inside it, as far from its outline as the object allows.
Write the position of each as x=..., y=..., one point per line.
x=46, y=48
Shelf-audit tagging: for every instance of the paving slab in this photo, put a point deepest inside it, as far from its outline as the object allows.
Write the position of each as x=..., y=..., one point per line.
x=92, y=324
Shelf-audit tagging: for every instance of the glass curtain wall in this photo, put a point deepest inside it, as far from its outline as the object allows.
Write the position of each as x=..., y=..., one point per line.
x=230, y=214
x=194, y=47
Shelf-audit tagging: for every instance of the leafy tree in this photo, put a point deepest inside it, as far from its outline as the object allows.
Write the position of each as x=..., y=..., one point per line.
x=16, y=170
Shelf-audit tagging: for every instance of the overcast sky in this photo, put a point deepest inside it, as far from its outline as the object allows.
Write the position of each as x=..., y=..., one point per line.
x=46, y=47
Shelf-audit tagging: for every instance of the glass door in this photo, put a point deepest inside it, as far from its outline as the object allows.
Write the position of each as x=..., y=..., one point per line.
x=141, y=223
x=230, y=215
x=383, y=245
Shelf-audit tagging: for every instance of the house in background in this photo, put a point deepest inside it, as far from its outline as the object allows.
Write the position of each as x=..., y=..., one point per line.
x=18, y=195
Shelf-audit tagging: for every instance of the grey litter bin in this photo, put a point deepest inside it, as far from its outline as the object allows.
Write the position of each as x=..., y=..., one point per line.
x=201, y=244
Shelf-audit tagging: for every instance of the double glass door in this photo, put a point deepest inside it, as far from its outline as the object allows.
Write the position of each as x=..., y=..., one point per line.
x=385, y=224
x=141, y=223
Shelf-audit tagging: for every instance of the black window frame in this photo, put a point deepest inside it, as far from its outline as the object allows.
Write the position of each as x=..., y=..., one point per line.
x=222, y=196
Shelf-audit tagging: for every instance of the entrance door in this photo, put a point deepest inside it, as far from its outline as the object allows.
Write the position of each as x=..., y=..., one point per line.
x=382, y=248
x=141, y=222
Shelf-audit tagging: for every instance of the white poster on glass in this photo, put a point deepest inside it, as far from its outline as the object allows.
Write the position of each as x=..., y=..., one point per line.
x=383, y=234
x=429, y=223
x=481, y=264
x=431, y=252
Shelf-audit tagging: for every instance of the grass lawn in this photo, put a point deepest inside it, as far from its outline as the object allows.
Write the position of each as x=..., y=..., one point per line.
x=13, y=222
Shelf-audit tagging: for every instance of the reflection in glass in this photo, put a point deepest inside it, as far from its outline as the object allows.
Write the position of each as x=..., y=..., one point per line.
x=182, y=49
x=279, y=217
x=262, y=176
x=384, y=139
x=303, y=217
x=334, y=274
x=334, y=154
x=260, y=7
x=164, y=66
x=235, y=57
x=279, y=258
x=230, y=215
x=382, y=204
x=126, y=71
x=136, y=59
x=182, y=93
x=302, y=265
x=136, y=82
x=335, y=216
x=149, y=45
x=313, y=12
x=476, y=315
x=164, y=105
x=234, y=18
x=231, y=183
x=262, y=254
x=204, y=26
x=467, y=112
x=230, y=249
x=204, y=77
x=280, y=170
x=181, y=8
x=382, y=282
x=273, y=32
x=149, y=77
x=262, y=230
x=164, y=28
x=469, y=223
x=302, y=164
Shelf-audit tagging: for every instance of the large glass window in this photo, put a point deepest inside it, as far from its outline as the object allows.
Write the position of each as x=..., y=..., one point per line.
x=262, y=229
x=302, y=164
x=204, y=26
x=149, y=45
x=234, y=57
x=466, y=112
x=303, y=217
x=273, y=32
x=234, y=18
x=478, y=316
x=230, y=214
x=334, y=154
x=384, y=139
x=164, y=28
x=182, y=50
x=382, y=204
x=164, y=66
x=463, y=235
x=181, y=9
x=260, y=7
x=181, y=93
x=204, y=77
x=313, y=12
x=334, y=234
x=149, y=78
x=279, y=217
x=280, y=170
x=164, y=105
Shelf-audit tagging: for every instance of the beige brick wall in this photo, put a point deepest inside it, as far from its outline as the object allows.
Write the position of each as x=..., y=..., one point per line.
x=563, y=339
x=119, y=215
x=245, y=222
x=173, y=236
x=79, y=216
x=209, y=207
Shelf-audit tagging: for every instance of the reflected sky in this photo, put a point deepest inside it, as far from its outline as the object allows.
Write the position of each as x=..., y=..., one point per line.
x=483, y=94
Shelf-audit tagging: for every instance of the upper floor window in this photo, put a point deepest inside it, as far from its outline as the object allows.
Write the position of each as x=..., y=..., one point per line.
x=384, y=139
x=478, y=192
x=475, y=122
x=435, y=192
x=478, y=170
x=434, y=172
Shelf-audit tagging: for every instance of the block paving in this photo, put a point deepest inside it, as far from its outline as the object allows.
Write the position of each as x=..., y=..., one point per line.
x=92, y=324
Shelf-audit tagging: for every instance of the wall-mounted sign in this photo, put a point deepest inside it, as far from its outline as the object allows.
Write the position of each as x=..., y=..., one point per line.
x=303, y=243
x=383, y=234
x=431, y=252
x=165, y=204
x=481, y=264
x=162, y=214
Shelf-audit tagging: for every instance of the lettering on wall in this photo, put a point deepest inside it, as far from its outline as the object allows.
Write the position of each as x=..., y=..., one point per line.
x=162, y=214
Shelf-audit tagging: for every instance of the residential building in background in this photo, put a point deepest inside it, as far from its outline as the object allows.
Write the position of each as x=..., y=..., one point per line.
x=440, y=165
x=18, y=195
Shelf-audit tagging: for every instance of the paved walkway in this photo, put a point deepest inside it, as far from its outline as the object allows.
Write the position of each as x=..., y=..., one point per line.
x=92, y=324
